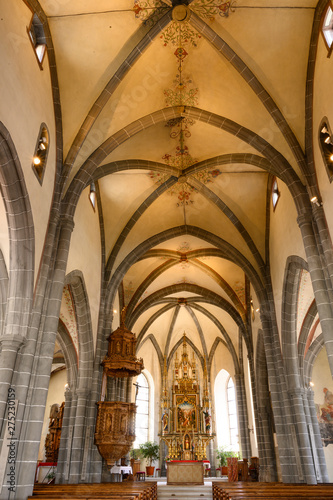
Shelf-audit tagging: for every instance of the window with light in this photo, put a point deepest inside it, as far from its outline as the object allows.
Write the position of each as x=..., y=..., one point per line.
x=142, y=411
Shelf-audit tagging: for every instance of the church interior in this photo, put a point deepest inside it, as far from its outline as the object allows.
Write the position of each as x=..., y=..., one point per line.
x=166, y=219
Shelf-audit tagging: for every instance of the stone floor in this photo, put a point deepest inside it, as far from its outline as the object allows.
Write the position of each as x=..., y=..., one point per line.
x=166, y=492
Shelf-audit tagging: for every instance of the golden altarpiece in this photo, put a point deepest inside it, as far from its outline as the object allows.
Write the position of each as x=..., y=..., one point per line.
x=186, y=409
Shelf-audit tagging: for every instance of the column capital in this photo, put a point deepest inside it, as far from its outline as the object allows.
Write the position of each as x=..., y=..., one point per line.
x=12, y=340
x=304, y=218
x=67, y=222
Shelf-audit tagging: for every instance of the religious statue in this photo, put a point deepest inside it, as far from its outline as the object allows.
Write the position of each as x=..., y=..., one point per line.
x=207, y=420
x=165, y=420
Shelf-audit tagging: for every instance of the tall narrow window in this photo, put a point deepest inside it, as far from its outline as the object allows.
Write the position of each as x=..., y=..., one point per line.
x=41, y=152
x=326, y=146
x=232, y=414
x=226, y=411
x=142, y=411
x=37, y=38
x=275, y=193
x=327, y=28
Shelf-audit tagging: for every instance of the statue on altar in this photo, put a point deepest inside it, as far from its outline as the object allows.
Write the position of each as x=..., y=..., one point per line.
x=186, y=426
x=165, y=420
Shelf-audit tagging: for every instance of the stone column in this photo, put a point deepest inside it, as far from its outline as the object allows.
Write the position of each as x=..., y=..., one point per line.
x=64, y=439
x=325, y=240
x=280, y=402
x=243, y=420
x=32, y=415
x=324, y=306
x=78, y=435
x=304, y=447
x=317, y=436
x=10, y=345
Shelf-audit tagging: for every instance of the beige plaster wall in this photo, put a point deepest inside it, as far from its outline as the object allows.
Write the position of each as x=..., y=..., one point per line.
x=26, y=101
x=285, y=240
x=323, y=107
x=85, y=253
x=321, y=377
x=56, y=394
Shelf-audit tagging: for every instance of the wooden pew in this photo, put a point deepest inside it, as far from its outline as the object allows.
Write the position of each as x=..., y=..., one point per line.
x=99, y=491
x=263, y=491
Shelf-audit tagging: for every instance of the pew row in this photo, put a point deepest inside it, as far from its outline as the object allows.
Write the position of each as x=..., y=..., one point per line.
x=271, y=491
x=97, y=491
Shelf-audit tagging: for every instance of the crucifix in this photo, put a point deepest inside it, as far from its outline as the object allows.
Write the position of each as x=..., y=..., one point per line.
x=137, y=390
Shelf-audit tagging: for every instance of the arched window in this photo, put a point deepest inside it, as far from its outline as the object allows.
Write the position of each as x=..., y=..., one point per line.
x=226, y=411
x=326, y=146
x=142, y=411
x=327, y=28
x=232, y=414
x=275, y=193
x=37, y=38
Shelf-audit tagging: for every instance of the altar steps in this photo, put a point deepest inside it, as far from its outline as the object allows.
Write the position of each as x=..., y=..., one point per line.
x=166, y=492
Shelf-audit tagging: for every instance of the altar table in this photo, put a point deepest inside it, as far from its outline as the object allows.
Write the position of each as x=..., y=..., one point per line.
x=118, y=470
x=187, y=472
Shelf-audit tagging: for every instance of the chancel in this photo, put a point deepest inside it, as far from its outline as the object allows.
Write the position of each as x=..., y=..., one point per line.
x=166, y=260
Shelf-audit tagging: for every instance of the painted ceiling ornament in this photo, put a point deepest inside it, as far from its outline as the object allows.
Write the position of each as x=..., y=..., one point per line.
x=209, y=9
x=180, y=126
x=149, y=11
x=182, y=92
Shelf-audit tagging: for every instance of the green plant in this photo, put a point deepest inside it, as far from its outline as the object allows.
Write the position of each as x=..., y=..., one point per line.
x=135, y=453
x=150, y=451
x=222, y=453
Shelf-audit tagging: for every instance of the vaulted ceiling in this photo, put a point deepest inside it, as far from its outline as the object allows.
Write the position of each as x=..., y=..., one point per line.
x=167, y=105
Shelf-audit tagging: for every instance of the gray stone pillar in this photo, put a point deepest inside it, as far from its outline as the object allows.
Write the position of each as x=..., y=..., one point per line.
x=325, y=240
x=280, y=401
x=211, y=457
x=317, y=436
x=304, y=447
x=78, y=435
x=243, y=421
x=10, y=345
x=40, y=356
x=65, y=439
x=324, y=306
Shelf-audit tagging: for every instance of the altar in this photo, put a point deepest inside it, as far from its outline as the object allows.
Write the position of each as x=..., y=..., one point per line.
x=186, y=423
x=185, y=472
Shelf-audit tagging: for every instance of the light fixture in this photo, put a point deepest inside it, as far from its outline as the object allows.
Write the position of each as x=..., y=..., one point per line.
x=37, y=160
x=326, y=137
x=314, y=199
x=257, y=310
x=115, y=311
x=311, y=384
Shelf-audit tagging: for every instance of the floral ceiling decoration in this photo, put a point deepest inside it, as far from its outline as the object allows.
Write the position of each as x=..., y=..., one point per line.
x=183, y=92
x=148, y=11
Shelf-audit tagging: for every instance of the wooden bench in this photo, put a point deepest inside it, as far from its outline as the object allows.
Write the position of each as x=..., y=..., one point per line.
x=269, y=491
x=128, y=490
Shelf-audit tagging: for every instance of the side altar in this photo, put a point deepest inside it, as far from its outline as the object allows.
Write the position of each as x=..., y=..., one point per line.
x=186, y=422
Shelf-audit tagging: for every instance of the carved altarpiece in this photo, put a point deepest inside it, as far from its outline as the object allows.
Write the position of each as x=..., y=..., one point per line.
x=186, y=410
x=52, y=440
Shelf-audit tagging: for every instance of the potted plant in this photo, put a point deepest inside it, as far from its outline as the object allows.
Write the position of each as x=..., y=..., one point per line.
x=150, y=451
x=222, y=453
x=135, y=460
